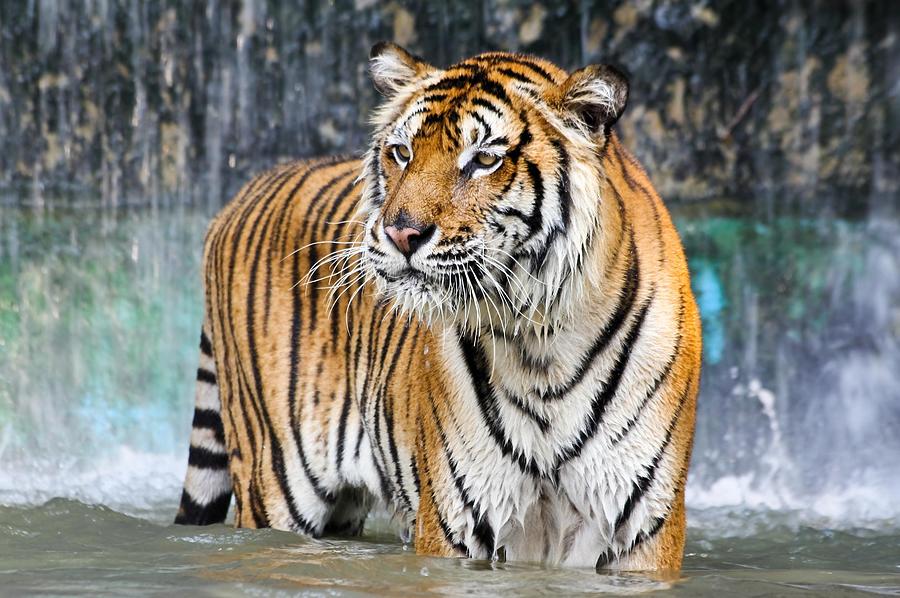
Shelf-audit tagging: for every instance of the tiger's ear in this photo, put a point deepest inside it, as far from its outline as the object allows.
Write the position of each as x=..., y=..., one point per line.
x=392, y=67
x=594, y=97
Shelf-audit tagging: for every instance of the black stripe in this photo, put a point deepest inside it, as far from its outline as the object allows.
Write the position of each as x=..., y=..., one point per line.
x=497, y=60
x=482, y=529
x=356, y=353
x=373, y=345
x=487, y=128
x=643, y=482
x=373, y=334
x=211, y=420
x=389, y=415
x=258, y=509
x=515, y=213
x=359, y=439
x=459, y=547
x=525, y=138
x=606, y=394
x=649, y=534
x=192, y=513
x=475, y=361
x=604, y=559
x=415, y=473
x=517, y=76
x=206, y=459
x=536, y=218
x=657, y=382
x=538, y=257
x=487, y=106
x=612, y=327
x=477, y=79
x=448, y=535
x=529, y=64
x=542, y=422
x=369, y=391
x=433, y=118
x=527, y=360
x=205, y=345
x=204, y=375
x=342, y=426
x=563, y=185
x=649, y=195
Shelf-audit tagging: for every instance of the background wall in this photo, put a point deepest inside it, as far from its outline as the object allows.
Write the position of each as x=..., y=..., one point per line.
x=140, y=100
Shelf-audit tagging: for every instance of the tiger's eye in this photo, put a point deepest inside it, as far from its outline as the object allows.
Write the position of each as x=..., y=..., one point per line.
x=486, y=160
x=402, y=153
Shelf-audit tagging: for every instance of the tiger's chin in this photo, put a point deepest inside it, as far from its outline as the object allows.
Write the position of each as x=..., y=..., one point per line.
x=435, y=302
x=416, y=295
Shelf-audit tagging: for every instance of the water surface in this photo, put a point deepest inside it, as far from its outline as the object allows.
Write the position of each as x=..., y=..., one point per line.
x=67, y=547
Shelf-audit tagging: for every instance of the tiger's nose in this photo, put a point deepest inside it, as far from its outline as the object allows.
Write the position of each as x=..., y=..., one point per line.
x=407, y=235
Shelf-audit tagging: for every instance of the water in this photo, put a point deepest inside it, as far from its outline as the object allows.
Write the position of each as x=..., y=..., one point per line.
x=794, y=485
x=67, y=547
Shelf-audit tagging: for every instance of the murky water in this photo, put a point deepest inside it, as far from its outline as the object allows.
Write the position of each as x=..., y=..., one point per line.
x=66, y=547
x=795, y=484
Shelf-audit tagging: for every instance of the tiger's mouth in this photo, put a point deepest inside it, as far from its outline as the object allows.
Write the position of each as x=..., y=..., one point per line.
x=461, y=289
x=407, y=273
x=410, y=282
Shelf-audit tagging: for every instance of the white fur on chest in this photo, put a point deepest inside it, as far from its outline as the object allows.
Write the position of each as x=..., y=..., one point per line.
x=569, y=513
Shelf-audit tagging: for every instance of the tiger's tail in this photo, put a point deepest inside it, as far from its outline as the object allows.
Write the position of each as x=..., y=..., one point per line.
x=207, y=485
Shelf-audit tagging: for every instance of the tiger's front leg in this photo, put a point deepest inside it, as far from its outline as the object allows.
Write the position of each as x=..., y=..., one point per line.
x=432, y=534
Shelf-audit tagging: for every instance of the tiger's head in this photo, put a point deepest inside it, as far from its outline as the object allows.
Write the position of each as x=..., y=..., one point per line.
x=481, y=183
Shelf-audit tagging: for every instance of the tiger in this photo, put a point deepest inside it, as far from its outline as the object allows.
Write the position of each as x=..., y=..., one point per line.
x=484, y=323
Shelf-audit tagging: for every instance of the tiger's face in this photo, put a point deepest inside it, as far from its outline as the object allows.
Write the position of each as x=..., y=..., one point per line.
x=480, y=182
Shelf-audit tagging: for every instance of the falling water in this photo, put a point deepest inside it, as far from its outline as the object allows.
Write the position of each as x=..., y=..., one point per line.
x=144, y=102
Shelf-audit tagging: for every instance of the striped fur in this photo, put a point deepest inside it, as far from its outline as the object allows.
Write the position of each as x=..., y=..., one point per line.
x=523, y=384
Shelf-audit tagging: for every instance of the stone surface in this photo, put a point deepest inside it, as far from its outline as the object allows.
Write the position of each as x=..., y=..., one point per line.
x=149, y=100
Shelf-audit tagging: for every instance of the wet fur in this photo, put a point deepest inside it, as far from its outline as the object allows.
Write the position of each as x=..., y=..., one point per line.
x=529, y=391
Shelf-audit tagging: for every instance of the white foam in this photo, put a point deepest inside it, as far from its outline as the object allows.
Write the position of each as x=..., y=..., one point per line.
x=857, y=503
x=126, y=480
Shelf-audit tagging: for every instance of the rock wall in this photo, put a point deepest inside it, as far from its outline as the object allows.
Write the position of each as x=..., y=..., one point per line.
x=781, y=101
